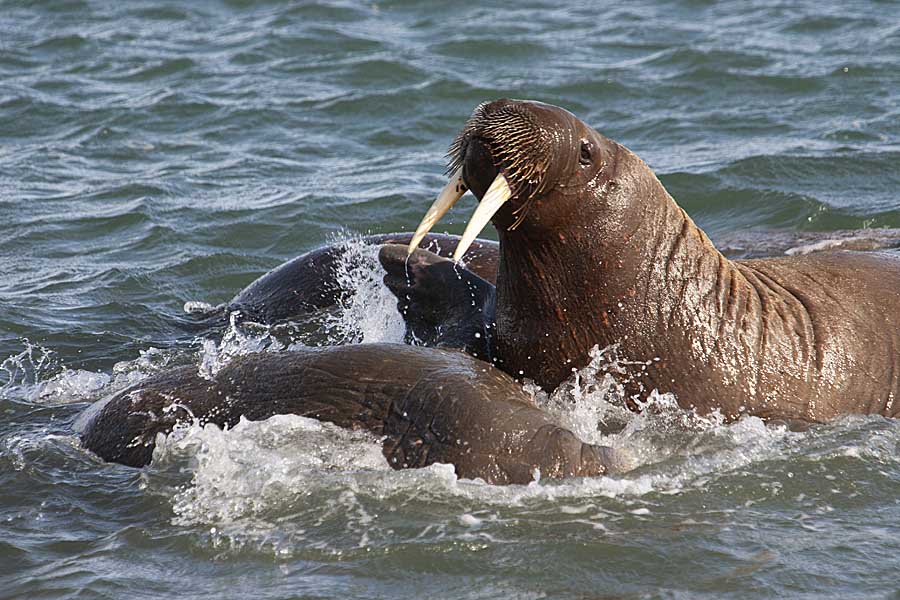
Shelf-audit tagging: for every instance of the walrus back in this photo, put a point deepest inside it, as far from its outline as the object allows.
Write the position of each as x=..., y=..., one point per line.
x=430, y=405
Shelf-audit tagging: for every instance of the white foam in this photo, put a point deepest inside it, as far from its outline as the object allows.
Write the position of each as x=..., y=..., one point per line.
x=239, y=339
x=368, y=309
x=72, y=385
x=197, y=307
x=246, y=480
x=819, y=246
x=469, y=520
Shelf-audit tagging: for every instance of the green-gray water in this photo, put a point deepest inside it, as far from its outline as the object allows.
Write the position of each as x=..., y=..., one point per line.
x=153, y=154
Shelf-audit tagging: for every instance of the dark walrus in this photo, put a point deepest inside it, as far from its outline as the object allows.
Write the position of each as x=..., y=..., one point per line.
x=429, y=405
x=594, y=251
x=308, y=282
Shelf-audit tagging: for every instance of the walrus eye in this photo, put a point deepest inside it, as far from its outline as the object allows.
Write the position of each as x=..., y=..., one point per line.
x=587, y=150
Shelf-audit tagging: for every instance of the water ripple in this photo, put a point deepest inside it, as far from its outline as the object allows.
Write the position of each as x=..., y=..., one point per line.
x=155, y=154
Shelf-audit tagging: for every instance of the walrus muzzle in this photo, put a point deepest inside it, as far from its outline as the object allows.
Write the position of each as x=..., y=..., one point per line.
x=521, y=144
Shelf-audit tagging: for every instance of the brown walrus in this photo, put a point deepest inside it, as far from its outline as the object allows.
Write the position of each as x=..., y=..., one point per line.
x=429, y=405
x=594, y=251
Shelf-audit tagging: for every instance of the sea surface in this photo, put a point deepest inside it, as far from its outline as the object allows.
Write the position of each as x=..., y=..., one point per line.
x=159, y=155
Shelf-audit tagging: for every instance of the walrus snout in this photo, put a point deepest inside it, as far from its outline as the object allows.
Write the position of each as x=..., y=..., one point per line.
x=509, y=153
x=517, y=138
x=478, y=169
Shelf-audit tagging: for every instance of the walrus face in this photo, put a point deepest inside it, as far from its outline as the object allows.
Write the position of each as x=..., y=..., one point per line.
x=517, y=155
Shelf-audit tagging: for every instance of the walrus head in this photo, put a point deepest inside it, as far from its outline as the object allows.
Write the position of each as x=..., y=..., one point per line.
x=517, y=155
x=582, y=223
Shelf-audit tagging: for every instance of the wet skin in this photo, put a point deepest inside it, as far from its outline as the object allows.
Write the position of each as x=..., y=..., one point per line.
x=443, y=304
x=452, y=306
x=604, y=255
x=430, y=406
x=308, y=283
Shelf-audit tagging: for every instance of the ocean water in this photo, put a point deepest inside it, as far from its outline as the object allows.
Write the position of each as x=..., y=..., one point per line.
x=155, y=154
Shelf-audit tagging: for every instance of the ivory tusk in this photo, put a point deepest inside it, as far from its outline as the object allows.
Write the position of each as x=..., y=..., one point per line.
x=493, y=199
x=452, y=192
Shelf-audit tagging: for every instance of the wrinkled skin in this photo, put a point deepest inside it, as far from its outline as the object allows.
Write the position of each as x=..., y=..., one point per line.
x=606, y=256
x=430, y=405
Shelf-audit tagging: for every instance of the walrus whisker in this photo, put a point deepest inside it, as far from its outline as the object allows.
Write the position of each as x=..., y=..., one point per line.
x=491, y=202
x=452, y=192
x=520, y=213
x=515, y=143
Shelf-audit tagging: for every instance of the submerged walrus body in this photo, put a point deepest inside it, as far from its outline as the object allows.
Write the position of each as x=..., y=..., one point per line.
x=430, y=406
x=594, y=251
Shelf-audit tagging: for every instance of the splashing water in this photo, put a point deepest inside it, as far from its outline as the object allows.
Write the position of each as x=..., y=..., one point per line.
x=272, y=485
x=239, y=338
x=37, y=375
x=366, y=312
x=24, y=371
x=246, y=480
x=591, y=403
x=368, y=309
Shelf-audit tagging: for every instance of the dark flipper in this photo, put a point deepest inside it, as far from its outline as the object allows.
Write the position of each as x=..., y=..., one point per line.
x=431, y=405
x=443, y=304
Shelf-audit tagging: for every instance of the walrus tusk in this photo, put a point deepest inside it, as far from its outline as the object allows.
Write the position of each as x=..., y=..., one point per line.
x=493, y=199
x=452, y=192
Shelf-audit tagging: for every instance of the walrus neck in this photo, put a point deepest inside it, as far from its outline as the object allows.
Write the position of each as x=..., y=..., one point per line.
x=625, y=261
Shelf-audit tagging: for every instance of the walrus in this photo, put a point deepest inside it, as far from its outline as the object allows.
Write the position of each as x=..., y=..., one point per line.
x=430, y=405
x=309, y=283
x=595, y=252
x=450, y=304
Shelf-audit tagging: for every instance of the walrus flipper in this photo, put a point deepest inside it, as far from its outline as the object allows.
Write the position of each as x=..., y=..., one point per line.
x=430, y=405
x=444, y=304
